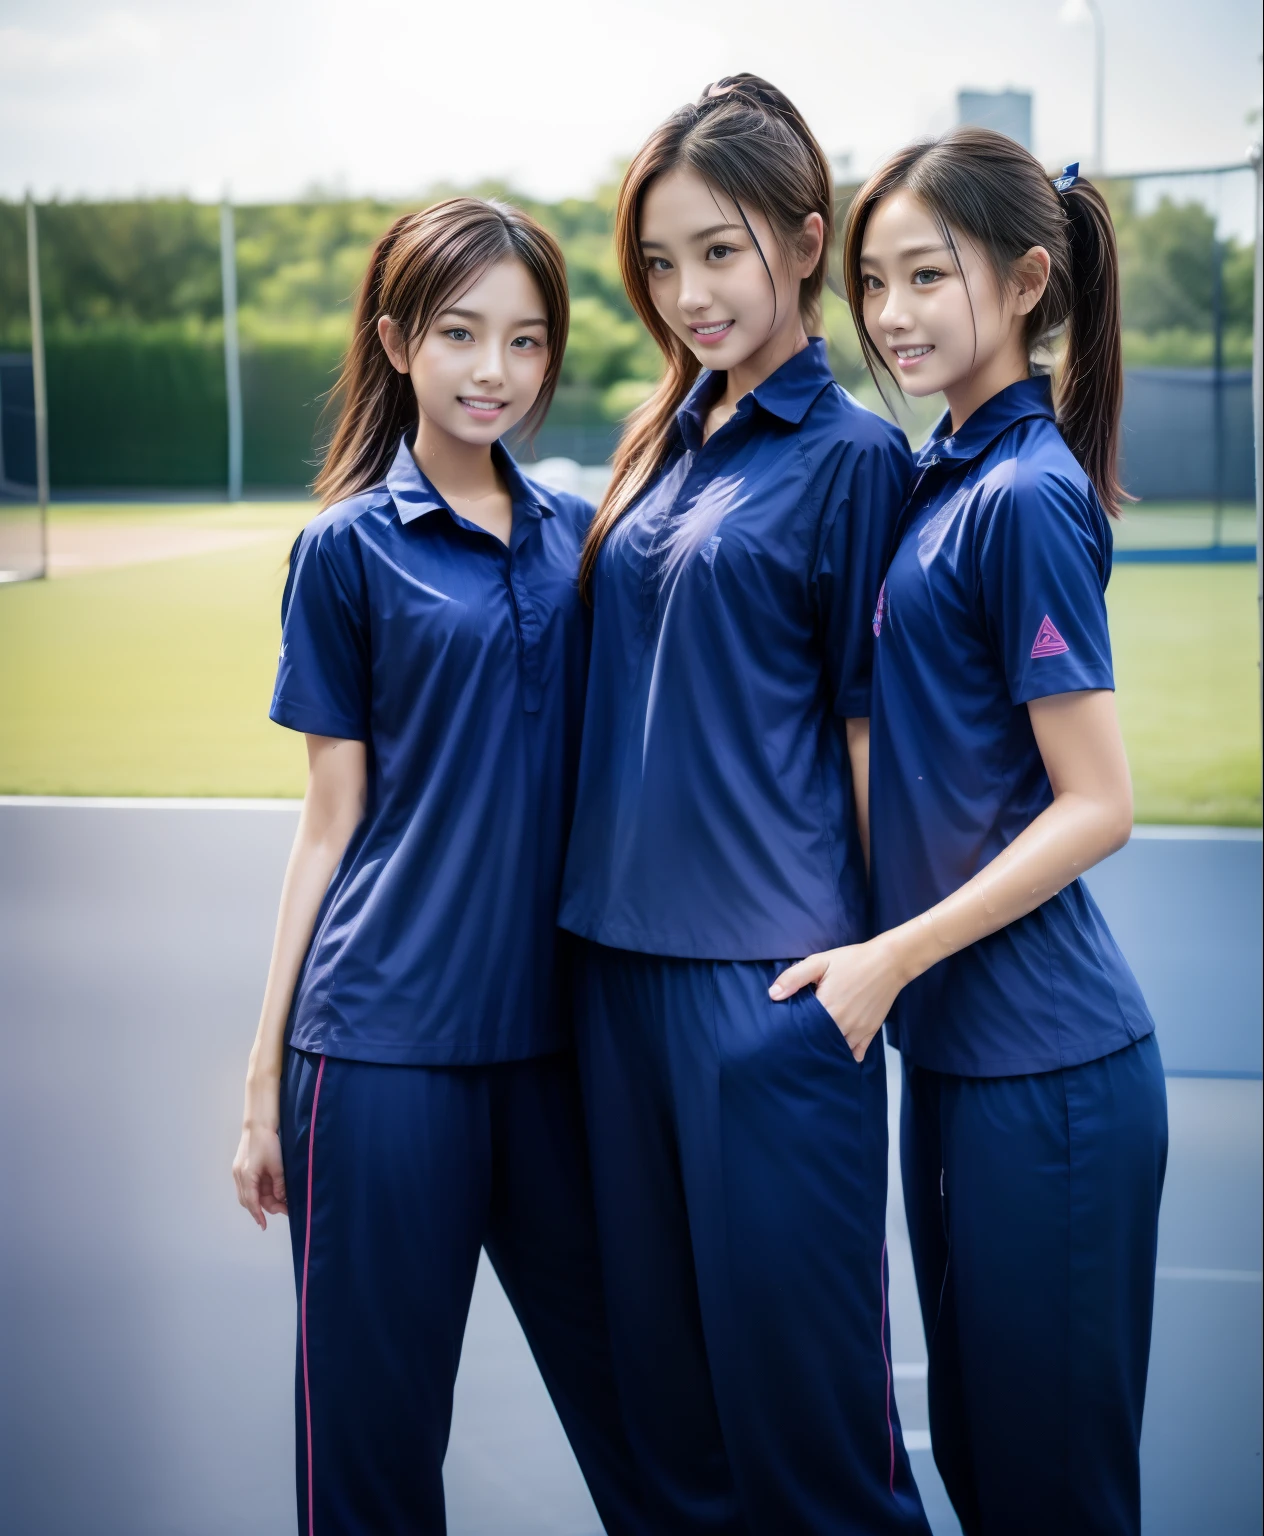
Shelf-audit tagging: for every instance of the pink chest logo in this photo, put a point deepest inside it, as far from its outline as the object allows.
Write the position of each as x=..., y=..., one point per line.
x=881, y=609
x=1048, y=641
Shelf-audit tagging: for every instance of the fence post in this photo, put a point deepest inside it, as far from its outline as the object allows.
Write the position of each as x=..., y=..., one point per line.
x=39, y=378
x=1257, y=398
x=232, y=352
x=1217, y=387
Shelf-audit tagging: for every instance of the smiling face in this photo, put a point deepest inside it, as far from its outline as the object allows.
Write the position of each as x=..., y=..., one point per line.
x=479, y=367
x=940, y=325
x=707, y=279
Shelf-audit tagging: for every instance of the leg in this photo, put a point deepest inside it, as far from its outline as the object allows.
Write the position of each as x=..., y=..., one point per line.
x=656, y=1329
x=921, y=1170
x=542, y=1240
x=1053, y=1186
x=783, y=1141
x=387, y=1170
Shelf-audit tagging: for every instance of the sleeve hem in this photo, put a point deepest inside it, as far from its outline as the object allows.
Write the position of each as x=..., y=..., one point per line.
x=314, y=722
x=1083, y=682
x=856, y=705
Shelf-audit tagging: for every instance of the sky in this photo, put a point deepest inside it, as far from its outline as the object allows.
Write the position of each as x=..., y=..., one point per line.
x=268, y=99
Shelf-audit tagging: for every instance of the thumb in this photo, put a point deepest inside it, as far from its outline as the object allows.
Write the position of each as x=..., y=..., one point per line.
x=796, y=976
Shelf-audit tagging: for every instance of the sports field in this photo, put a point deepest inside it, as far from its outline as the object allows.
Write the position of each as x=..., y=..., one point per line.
x=144, y=667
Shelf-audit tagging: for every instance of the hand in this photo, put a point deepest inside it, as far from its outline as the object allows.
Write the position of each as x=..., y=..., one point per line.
x=259, y=1175
x=856, y=986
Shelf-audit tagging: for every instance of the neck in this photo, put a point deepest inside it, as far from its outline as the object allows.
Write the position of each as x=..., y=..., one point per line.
x=967, y=395
x=764, y=362
x=455, y=468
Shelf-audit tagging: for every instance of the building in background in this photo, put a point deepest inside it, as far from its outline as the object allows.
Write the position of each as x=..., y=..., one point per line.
x=1009, y=112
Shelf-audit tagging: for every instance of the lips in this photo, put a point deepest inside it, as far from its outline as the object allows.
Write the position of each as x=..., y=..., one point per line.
x=482, y=405
x=909, y=357
x=707, y=335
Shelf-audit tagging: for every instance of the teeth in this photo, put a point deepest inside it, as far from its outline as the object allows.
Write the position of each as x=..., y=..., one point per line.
x=710, y=330
x=483, y=405
x=912, y=351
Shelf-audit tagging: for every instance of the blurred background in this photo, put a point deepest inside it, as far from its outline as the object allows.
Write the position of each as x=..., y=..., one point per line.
x=188, y=195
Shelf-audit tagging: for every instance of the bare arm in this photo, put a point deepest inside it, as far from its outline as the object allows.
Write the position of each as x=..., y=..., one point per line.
x=1090, y=817
x=332, y=808
x=858, y=752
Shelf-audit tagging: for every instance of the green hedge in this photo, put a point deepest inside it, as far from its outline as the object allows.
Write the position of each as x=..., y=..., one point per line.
x=144, y=408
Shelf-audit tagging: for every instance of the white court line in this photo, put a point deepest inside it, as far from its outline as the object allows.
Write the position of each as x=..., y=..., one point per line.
x=227, y=803
x=1232, y=1276
x=144, y=803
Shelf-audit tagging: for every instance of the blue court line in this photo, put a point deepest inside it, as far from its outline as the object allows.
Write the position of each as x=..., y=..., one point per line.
x=1240, y=1077
x=1207, y=554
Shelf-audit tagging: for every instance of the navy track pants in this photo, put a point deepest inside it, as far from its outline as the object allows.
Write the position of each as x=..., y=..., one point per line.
x=740, y=1165
x=396, y=1177
x=1033, y=1209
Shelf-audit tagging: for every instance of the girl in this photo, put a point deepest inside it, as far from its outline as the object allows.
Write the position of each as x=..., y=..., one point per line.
x=409, y=1098
x=739, y=1151
x=1033, y=1119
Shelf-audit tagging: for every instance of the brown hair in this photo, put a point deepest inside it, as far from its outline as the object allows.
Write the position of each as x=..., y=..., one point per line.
x=422, y=262
x=750, y=142
x=985, y=187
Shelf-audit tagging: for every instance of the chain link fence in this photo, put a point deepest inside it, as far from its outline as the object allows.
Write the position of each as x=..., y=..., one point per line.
x=156, y=388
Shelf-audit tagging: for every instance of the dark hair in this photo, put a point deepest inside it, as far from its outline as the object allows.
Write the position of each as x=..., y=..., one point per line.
x=422, y=262
x=984, y=187
x=749, y=141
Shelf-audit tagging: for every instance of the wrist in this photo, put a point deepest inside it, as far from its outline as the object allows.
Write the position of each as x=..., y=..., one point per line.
x=905, y=946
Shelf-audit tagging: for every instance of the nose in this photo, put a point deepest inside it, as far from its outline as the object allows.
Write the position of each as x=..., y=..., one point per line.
x=893, y=317
x=489, y=364
x=694, y=296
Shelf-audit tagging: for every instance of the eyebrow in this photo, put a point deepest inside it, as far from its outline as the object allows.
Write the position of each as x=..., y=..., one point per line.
x=703, y=234
x=908, y=251
x=473, y=314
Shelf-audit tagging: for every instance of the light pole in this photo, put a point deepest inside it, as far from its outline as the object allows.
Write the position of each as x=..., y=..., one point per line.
x=1072, y=11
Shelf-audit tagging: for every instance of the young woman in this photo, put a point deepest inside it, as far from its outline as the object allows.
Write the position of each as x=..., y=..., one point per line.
x=409, y=1098
x=739, y=1150
x=1034, y=1123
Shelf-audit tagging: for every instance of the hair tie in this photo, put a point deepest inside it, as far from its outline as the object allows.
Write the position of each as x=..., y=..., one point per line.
x=1070, y=175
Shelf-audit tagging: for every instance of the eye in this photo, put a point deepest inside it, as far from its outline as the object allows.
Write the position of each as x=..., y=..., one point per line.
x=871, y=284
x=657, y=264
x=525, y=343
x=719, y=252
x=924, y=276
x=458, y=333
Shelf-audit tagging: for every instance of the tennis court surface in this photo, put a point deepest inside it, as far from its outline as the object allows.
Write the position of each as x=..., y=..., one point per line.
x=147, y=1326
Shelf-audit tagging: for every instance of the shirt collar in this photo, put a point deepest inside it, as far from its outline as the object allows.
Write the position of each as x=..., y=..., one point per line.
x=787, y=393
x=1029, y=397
x=414, y=495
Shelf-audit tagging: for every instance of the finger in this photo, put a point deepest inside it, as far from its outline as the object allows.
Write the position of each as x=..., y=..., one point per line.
x=248, y=1195
x=796, y=976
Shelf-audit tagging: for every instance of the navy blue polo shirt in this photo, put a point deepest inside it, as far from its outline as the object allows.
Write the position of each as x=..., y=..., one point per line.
x=731, y=639
x=460, y=663
x=995, y=596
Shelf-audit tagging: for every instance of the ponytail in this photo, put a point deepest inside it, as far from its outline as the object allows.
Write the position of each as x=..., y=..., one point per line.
x=985, y=187
x=421, y=264
x=1091, y=389
x=749, y=141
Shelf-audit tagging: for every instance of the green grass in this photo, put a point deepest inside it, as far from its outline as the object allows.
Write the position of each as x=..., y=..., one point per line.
x=155, y=679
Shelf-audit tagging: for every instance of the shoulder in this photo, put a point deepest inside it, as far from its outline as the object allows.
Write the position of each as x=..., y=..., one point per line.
x=328, y=546
x=846, y=433
x=1034, y=477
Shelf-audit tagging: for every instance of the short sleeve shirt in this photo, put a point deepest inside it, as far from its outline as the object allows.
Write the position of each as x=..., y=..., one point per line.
x=731, y=639
x=995, y=596
x=460, y=663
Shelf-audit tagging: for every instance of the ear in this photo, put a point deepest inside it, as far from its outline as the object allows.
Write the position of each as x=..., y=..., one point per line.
x=392, y=339
x=1030, y=279
x=811, y=243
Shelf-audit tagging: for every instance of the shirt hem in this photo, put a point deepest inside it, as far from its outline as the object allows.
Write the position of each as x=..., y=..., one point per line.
x=1027, y=1066
x=778, y=947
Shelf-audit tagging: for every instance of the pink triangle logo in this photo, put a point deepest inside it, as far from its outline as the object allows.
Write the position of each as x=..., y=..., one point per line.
x=1048, y=641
